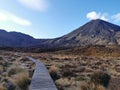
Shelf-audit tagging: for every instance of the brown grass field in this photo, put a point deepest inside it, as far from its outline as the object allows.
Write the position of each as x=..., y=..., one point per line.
x=91, y=68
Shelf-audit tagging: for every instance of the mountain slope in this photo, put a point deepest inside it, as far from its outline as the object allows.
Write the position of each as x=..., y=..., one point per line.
x=15, y=39
x=94, y=32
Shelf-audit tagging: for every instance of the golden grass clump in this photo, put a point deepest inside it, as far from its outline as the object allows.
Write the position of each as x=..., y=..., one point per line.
x=54, y=73
x=100, y=87
x=91, y=86
x=22, y=81
x=53, y=68
x=84, y=86
x=14, y=70
x=2, y=88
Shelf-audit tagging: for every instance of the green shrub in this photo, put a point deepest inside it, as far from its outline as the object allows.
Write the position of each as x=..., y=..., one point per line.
x=80, y=78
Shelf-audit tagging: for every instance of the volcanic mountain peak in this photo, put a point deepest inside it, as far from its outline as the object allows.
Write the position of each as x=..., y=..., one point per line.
x=94, y=32
x=98, y=21
x=99, y=24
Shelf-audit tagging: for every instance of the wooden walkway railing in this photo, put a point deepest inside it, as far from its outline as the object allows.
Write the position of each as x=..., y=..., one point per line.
x=41, y=79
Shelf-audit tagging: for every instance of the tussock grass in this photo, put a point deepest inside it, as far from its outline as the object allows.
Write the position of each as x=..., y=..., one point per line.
x=2, y=88
x=22, y=81
x=54, y=73
x=100, y=87
x=84, y=86
x=14, y=70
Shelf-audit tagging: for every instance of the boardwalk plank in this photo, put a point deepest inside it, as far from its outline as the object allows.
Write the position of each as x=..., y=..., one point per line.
x=41, y=79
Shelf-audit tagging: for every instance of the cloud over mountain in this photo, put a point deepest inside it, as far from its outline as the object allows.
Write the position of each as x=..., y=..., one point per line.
x=94, y=15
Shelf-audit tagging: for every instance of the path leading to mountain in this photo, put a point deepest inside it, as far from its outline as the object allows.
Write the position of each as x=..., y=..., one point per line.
x=41, y=79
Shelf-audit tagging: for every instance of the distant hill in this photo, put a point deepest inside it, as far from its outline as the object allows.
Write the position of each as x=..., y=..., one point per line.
x=16, y=39
x=95, y=32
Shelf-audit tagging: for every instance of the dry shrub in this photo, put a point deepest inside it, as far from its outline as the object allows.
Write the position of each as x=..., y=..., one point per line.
x=5, y=79
x=2, y=88
x=68, y=73
x=100, y=87
x=90, y=86
x=9, y=85
x=22, y=81
x=80, y=78
x=84, y=86
x=101, y=78
x=54, y=73
x=63, y=82
x=14, y=70
x=53, y=68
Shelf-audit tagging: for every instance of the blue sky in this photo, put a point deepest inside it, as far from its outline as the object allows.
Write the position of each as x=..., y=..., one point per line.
x=54, y=18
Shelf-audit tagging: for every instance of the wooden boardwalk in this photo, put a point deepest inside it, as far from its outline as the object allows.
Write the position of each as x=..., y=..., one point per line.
x=41, y=79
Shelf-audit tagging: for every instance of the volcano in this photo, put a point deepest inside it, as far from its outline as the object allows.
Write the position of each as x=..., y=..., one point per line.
x=95, y=32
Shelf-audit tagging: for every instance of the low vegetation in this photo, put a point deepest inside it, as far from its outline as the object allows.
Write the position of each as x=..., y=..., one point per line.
x=82, y=71
x=22, y=81
x=86, y=68
x=15, y=71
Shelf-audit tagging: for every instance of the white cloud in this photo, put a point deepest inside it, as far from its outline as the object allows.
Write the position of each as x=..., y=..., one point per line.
x=116, y=17
x=94, y=15
x=3, y=17
x=21, y=21
x=40, y=5
x=9, y=17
